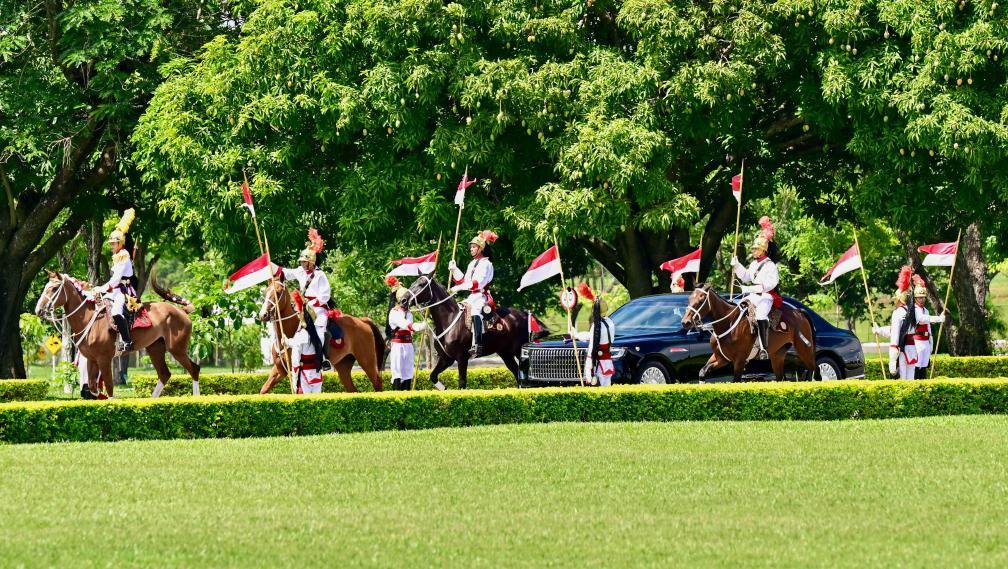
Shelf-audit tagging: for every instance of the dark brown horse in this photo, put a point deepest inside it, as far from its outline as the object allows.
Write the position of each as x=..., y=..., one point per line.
x=733, y=338
x=453, y=330
x=362, y=341
x=92, y=331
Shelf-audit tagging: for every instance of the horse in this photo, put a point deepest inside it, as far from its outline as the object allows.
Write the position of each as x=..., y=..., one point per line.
x=453, y=331
x=362, y=341
x=733, y=337
x=94, y=337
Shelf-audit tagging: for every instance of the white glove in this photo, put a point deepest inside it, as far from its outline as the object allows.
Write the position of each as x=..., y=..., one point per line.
x=880, y=330
x=418, y=326
x=452, y=266
x=735, y=262
x=459, y=288
x=749, y=289
x=90, y=294
x=893, y=358
x=938, y=319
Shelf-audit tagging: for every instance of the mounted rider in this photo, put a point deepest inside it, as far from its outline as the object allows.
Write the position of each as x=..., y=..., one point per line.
x=762, y=274
x=599, y=366
x=314, y=287
x=476, y=281
x=401, y=355
x=123, y=283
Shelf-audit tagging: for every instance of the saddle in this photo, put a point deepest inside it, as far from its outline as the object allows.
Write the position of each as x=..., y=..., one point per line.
x=136, y=314
x=776, y=325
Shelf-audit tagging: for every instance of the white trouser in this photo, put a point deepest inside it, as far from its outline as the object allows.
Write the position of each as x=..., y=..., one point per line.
x=906, y=361
x=82, y=375
x=923, y=348
x=117, y=302
x=311, y=381
x=321, y=320
x=476, y=301
x=763, y=302
x=604, y=372
x=401, y=360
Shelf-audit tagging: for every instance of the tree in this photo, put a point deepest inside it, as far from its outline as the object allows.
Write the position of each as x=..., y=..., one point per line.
x=74, y=78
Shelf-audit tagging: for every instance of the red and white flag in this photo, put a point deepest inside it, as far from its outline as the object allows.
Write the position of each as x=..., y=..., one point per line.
x=736, y=187
x=256, y=272
x=849, y=261
x=247, y=196
x=415, y=266
x=685, y=264
x=939, y=254
x=543, y=267
x=533, y=327
x=460, y=192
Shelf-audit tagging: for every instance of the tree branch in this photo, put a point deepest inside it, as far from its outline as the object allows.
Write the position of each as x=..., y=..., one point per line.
x=604, y=253
x=11, y=204
x=40, y=256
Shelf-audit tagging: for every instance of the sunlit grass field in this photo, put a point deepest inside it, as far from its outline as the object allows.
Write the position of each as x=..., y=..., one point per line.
x=899, y=493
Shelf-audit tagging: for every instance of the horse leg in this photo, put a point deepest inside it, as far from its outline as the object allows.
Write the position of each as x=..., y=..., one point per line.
x=366, y=356
x=345, y=371
x=463, y=365
x=105, y=369
x=777, y=362
x=739, y=367
x=156, y=351
x=511, y=363
x=442, y=364
x=276, y=374
x=178, y=352
x=92, y=377
x=714, y=362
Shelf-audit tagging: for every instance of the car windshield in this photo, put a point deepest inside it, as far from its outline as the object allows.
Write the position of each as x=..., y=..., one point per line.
x=651, y=314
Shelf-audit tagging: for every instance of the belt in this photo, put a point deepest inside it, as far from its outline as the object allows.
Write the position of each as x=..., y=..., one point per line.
x=604, y=352
x=402, y=337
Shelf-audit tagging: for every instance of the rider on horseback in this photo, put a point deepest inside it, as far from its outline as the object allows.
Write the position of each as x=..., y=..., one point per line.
x=122, y=282
x=476, y=281
x=762, y=273
x=315, y=288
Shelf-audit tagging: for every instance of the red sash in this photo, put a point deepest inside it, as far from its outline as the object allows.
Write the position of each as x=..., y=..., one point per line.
x=604, y=352
x=402, y=337
x=778, y=300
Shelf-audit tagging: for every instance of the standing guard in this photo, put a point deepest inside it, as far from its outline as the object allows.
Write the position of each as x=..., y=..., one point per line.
x=402, y=353
x=122, y=284
x=601, y=332
x=922, y=331
x=902, y=348
x=763, y=275
x=315, y=288
x=476, y=281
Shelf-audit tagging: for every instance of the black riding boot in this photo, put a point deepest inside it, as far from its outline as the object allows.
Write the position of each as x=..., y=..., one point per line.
x=319, y=345
x=477, y=330
x=921, y=373
x=406, y=384
x=395, y=384
x=764, y=334
x=124, y=332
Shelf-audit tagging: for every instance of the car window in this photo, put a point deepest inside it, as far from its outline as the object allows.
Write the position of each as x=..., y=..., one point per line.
x=651, y=314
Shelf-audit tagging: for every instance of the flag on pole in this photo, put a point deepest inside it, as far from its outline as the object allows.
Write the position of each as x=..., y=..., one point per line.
x=415, y=266
x=258, y=271
x=849, y=261
x=460, y=192
x=685, y=264
x=543, y=267
x=533, y=327
x=247, y=196
x=736, y=187
x=939, y=254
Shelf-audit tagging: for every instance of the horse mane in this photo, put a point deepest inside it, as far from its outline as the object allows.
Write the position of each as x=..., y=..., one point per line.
x=167, y=294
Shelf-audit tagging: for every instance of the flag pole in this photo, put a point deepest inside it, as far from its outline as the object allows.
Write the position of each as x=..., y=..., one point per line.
x=426, y=331
x=871, y=311
x=570, y=321
x=948, y=293
x=738, y=219
x=279, y=320
x=255, y=222
x=458, y=224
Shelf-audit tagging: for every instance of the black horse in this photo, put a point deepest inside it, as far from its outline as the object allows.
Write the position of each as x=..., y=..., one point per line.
x=453, y=330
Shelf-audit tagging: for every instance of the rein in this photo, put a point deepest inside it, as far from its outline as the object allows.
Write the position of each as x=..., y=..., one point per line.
x=77, y=337
x=711, y=325
x=419, y=307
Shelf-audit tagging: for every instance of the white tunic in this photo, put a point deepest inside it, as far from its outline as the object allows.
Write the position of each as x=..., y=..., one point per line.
x=316, y=291
x=762, y=273
x=922, y=335
x=122, y=268
x=402, y=352
x=605, y=370
x=901, y=364
x=478, y=276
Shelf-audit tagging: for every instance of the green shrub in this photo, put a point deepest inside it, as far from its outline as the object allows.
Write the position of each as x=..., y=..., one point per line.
x=23, y=389
x=951, y=366
x=284, y=415
x=248, y=383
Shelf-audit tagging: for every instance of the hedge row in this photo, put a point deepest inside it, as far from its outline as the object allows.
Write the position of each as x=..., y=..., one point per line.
x=950, y=366
x=284, y=415
x=248, y=383
x=23, y=389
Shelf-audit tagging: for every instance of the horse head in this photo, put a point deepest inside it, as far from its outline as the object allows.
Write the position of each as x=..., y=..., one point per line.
x=275, y=298
x=53, y=296
x=698, y=306
x=425, y=291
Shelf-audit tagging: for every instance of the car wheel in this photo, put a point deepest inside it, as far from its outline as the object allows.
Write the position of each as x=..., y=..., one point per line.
x=653, y=373
x=828, y=370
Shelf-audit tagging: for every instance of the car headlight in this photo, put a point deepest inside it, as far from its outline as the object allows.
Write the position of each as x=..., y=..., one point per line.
x=617, y=353
x=524, y=353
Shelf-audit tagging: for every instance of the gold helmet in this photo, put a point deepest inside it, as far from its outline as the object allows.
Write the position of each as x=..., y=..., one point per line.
x=482, y=238
x=760, y=245
x=401, y=293
x=919, y=288
x=118, y=234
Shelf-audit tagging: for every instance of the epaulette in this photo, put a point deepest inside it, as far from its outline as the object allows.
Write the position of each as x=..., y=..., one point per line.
x=121, y=257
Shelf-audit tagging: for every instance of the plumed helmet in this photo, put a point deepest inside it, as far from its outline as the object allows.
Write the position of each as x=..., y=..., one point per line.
x=760, y=244
x=314, y=246
x=392, y=282
x=118, y=234
x=919, y=288
x=482, y=238
x=585, y=291
x=903, y=284
x=401, y=293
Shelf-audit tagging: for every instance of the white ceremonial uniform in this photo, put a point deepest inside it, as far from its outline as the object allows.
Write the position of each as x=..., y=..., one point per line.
x=902, y=365
x=922, y=335
x=762, y=273
x=605, y=370
x=316, y=291
x=478, y=276
x=309, y=377
x=118, y=286
x=401, y=353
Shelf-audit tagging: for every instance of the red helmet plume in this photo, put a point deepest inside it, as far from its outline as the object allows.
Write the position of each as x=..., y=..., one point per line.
x=903, y=280
x=585, y=291
x=391, y=281
x=315, y=240
x=769, y=230
x=488, y=236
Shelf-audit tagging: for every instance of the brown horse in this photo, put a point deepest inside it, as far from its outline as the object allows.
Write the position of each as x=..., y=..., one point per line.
x=91, y=330
x=453, y=330
x=733, y=338
x=362, y=341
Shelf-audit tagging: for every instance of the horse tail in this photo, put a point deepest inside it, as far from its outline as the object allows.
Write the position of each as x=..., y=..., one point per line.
x=379, y=344
x=167, y=294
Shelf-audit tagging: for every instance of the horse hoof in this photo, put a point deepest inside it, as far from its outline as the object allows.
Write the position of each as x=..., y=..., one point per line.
x=439, y=386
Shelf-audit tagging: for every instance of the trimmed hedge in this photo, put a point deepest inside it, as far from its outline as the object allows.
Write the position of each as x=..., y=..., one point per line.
x=23, y=389
x=951, y=366
x=249, y=383
x=284, y=415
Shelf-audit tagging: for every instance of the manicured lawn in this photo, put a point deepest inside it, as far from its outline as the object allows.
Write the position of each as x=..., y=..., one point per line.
x=908, y=493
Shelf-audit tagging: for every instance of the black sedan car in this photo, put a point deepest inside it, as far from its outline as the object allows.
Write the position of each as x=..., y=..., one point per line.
x=651, y=346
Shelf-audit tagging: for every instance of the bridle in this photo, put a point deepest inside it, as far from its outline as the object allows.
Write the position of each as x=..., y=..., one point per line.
x=269, y=304
x=50, y=308
x=710, y=326
x=414, y=302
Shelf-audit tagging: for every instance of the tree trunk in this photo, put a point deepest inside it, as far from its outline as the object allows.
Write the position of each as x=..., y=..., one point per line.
x=11, y=357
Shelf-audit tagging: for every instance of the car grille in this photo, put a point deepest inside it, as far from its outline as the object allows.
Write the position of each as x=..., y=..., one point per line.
x=555, y=364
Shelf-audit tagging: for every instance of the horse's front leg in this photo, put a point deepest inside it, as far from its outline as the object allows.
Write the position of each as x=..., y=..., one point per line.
x=713, y=363
x=442, y=364
x=276, y=374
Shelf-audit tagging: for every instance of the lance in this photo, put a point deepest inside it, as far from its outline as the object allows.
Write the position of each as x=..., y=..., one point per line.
x=458, y=224
x=738, y=219
x=570, y=321
x=948, y=292
x=871, y=311
x=423, y=335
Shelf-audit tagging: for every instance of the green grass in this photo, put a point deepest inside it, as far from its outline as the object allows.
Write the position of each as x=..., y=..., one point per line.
x=909, y=493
